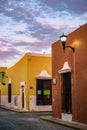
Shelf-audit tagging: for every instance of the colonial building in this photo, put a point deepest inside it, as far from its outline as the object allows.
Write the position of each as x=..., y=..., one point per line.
x=69, y=71
x=28, y=86
x=2, y=79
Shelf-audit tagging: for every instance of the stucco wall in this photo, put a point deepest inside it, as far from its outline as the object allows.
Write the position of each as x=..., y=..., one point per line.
x=24, y=73
x=78, y=40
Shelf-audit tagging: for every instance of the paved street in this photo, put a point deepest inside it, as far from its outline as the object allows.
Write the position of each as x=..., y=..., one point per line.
x=26, y=121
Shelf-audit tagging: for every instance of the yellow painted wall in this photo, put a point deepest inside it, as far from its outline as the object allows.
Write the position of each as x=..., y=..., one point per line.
x=16, y=73
x=26, y=69
x=36, y=65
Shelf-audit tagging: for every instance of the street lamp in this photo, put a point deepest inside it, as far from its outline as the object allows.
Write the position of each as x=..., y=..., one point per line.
x=63, y=39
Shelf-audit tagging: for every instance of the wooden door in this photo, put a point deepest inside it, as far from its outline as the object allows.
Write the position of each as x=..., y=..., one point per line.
x=66, y=93
x=47, y=92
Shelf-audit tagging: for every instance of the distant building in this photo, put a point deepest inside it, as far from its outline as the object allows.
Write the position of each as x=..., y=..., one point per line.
x=28, y=86
x=69, y=70
x=2, y=79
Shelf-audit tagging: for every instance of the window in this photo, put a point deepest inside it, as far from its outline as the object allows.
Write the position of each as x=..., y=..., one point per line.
x=9, y=93
x=44, y=92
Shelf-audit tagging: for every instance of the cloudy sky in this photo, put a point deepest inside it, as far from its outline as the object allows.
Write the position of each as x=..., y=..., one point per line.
x=33, y=25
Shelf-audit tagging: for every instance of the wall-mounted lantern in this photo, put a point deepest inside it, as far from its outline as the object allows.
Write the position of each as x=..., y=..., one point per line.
x=63, y=39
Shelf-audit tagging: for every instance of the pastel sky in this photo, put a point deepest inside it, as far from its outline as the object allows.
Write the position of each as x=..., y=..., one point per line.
x=33, y=25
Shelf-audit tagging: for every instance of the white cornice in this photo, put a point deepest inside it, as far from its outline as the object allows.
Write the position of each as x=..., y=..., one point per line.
x=66, y=68
x=43, y=75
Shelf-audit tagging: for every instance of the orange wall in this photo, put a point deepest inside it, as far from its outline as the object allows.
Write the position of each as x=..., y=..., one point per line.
x=77, y=39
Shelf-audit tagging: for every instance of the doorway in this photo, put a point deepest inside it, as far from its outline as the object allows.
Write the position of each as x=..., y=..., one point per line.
x=66, y=93
x=44, y=92
x=0, y=96
x=22, y=97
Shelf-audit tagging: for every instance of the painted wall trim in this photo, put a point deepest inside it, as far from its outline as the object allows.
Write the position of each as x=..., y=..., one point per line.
x=43, y=75
x=66, y=68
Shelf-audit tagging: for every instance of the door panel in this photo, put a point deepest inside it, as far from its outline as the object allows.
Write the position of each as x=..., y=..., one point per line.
x=47, y=92
x=23, y=97
x=66, y=93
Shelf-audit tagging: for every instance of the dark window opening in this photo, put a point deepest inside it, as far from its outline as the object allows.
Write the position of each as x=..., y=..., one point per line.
x=44, y=92
x=9, y=93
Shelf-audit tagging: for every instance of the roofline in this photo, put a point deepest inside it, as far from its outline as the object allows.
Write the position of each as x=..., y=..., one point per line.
x=39, y=54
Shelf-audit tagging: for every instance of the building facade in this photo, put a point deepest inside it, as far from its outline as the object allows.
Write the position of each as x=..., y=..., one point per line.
x=28, y=86
x=69, y=70
x=2, y=79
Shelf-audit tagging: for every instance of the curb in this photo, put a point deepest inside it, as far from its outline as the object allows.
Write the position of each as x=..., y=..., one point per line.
x=11, y=109
x=75, y=125
x=21, y=111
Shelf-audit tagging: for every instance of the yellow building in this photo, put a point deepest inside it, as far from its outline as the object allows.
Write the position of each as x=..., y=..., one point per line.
x=2, y=79
x=28, y=86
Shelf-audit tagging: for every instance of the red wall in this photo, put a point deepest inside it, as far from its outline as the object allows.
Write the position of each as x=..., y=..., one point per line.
x=77, y=39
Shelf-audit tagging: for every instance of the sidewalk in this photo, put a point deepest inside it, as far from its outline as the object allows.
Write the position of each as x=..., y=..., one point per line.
x=71, y=124
x=12, y=109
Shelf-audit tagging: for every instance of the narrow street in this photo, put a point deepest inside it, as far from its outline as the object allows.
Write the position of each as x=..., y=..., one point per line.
x=26, y=121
